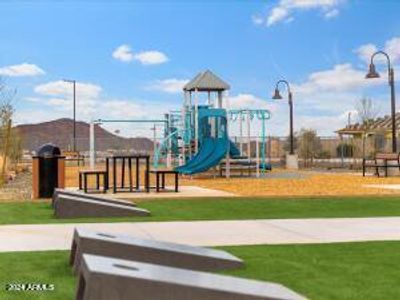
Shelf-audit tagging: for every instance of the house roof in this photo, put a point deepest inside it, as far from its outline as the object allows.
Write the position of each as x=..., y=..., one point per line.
x=378, y=124
x=206, y=81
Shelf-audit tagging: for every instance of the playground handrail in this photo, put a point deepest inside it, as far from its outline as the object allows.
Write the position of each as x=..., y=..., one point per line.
x=162, y=145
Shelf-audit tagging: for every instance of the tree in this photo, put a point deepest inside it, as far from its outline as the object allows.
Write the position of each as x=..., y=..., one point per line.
x=6, y=107
x=9, y=140
x=309, y=145
x=367, y=111
x=286, y=145
x=15, y=148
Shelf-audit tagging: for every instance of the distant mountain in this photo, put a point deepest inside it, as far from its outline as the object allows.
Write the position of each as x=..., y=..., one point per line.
x=60, y=133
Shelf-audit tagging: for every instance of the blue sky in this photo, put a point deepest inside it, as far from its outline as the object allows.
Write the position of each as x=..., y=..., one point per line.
x=131, y=58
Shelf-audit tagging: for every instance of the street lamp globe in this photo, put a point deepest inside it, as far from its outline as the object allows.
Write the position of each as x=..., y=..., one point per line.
x=277, y=95
x=372, y=73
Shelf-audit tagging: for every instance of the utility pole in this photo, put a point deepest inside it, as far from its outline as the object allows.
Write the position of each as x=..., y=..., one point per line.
x=74, y=111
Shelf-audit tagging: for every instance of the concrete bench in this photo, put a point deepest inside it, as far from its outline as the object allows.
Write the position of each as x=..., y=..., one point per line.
x=151, y=251
x=105, y=278
x=107, y=199
x=67, y=206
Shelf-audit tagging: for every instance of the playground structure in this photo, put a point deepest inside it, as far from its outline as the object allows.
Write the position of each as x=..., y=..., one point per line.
x=196, y=138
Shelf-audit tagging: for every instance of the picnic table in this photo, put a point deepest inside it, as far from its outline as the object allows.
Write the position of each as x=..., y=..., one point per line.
x=126, y=162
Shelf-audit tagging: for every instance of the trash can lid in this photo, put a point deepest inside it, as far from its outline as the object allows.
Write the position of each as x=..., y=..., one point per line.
x=48, y=149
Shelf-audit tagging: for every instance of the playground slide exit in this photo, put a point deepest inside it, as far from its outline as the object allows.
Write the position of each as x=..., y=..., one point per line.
x=211, y=152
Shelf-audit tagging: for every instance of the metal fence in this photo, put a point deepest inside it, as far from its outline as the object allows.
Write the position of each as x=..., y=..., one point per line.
x=346, y=152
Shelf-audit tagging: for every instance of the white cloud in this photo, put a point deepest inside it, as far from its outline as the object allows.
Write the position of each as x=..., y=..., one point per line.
x=58, y=94
x=29, y=116
x=151, y=57
x=23, y=69
x=170, y=85
x=340, y=78
x=249, y=101
x=332, y=13
x=285, y=9
x=257, y=19
x=123, y=53
x=277, y=14
x=136, y=108
x=325, y=125
x=392, y=47
x=58, y=102
x=323, y=100
x=324, y=112
x=32, y=99
x=364, y=52
x=62, y=88
x=122, y=109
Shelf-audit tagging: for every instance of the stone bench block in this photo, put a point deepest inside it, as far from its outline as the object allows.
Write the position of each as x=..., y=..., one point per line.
x=104, y=278
x=151, y=251
x=58, y=192
x=76, y=207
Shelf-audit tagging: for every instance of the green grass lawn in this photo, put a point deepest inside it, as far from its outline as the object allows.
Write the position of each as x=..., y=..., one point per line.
x=49, y=267
x=222, y=209
x=325, y=271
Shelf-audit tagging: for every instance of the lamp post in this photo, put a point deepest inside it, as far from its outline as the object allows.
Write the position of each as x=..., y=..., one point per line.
x=74, y=111
x=372, y=73
x=277, y=96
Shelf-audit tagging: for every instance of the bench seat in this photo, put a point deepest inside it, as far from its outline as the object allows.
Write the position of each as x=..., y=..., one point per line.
x=381, y=161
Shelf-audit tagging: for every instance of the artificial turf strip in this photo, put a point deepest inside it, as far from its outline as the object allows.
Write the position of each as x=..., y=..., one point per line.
x=221, y=209
x=47, y=267
x=367, y=270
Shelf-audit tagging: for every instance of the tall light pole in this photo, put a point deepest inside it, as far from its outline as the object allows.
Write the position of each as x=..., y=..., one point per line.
x=372, y=73
x=277, y=96
x=74, y=110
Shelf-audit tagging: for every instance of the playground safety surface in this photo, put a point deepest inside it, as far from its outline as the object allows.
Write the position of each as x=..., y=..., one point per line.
x=279, y=182
x=303, y=183
x=186, y=191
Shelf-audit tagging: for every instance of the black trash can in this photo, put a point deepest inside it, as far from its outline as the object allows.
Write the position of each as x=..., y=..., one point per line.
x=48, y=171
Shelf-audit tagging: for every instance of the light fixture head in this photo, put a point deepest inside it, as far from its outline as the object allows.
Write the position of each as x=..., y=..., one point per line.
x=372, y=72
x=277, y=95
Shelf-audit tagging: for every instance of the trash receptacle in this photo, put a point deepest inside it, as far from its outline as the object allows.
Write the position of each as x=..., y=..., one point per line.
x=48, y=171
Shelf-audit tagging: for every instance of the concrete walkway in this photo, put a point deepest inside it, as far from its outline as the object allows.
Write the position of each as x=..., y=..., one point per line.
x=185, y=191
x=210, y=233
x=383, y=186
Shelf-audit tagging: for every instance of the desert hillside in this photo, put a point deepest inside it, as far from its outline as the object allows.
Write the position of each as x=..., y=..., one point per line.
x=60, y=132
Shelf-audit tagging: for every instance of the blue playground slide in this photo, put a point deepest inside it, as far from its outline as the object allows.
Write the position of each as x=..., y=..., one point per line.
x=206, y=148
x=211, y=152
x=233, y=150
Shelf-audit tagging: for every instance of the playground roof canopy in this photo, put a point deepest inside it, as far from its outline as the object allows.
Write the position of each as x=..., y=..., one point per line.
x=206, y=81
